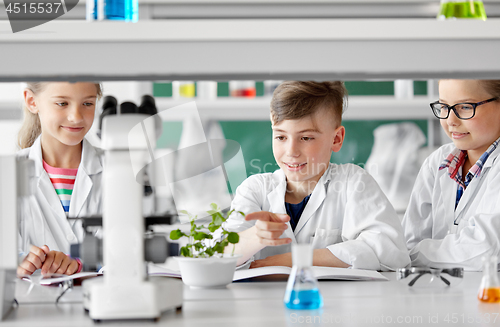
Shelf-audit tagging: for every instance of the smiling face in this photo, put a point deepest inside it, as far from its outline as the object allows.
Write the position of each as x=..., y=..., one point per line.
x=302, y=147
x=474, y=135
x=66, y=111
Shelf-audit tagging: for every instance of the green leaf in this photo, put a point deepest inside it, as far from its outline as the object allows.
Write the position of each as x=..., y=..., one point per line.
x=212, y=212
x=198, y=246
x=219, y=247
x=186, y=252
x=212, y=228
x=233, y=237
x=229, y=213
x=176, y=234
x=184, y=212
x=214, y=206
x=242, y=213
x=210, y=252
x=217, y=219
x=198, y=236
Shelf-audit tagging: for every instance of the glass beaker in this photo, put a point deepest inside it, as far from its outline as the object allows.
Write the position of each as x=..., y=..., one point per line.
x=489, y=290
x=302, y=290
x=244, y=89
x=452, y=9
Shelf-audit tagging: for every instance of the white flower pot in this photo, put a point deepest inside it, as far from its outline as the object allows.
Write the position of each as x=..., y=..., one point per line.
x=207, y=272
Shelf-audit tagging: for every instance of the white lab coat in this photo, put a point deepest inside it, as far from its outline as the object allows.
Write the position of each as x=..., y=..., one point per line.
x=43, y=220
x=346, y=213
x=432, y=237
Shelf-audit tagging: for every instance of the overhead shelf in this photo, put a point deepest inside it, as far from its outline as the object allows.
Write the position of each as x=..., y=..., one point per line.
x=265, y=9
x=206, y=49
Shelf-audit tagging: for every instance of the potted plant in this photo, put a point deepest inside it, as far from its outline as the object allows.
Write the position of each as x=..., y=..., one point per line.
x=202, y=260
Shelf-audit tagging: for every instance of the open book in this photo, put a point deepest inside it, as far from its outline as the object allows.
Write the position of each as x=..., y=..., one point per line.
x=55, y=280
x=321, y=273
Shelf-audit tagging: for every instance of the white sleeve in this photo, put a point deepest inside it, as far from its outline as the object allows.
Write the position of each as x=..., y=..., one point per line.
x=478, y=234
x=372, y=233
x=417, y=221
x=480, y=237
x=248, y=198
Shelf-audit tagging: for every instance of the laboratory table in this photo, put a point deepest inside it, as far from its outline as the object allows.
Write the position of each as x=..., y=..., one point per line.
x=259, y=304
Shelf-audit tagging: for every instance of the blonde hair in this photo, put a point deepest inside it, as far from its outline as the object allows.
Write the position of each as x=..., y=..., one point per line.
x=298, y=99
x=31, y=128
x=491, y=86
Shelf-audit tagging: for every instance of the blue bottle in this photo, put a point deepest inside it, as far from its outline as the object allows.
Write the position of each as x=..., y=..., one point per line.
x=122, y=10
x=302, y=292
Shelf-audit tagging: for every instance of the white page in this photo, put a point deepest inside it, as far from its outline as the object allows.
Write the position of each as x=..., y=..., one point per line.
x=322, y=273
x=49, y=281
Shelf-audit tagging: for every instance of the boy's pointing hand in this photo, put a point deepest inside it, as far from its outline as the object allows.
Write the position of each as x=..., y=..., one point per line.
x=269, y=227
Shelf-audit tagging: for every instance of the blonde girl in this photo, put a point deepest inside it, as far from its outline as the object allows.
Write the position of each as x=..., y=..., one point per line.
x=68, y=169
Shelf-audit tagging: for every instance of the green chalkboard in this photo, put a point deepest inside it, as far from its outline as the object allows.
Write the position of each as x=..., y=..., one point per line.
x=255, y=137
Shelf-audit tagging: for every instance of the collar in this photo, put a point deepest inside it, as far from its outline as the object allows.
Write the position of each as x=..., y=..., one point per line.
x=457, y=157
x=90, y=162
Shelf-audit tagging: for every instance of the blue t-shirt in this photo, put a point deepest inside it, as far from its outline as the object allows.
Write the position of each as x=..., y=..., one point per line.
x=295, y=211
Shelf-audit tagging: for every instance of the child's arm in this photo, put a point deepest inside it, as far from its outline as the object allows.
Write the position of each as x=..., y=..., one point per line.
x=479, y=236
x=267, y=231
x=372, y=236
x=321, y=257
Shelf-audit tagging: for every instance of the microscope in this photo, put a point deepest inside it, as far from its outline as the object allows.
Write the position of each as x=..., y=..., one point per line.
x=128, y=135
x=15, y=175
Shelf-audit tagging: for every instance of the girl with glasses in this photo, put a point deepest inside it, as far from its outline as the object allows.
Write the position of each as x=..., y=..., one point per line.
x=453, y=217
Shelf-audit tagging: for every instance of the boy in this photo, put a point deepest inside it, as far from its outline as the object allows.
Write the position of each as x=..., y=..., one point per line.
x=338, y=208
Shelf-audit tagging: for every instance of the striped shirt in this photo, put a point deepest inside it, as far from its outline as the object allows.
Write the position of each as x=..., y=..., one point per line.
x=455, y=161
x=63, y=180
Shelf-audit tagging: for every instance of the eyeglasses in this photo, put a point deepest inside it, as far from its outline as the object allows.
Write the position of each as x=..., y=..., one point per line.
x=425, y=277
x=463, y=111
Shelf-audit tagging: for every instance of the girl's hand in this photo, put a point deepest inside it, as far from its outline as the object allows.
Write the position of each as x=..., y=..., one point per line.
x=33, y=261
x=59, y=263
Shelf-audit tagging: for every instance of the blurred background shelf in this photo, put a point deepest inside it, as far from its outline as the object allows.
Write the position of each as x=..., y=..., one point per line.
x=359, y=108
x=240, y=109
x=266, y=9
